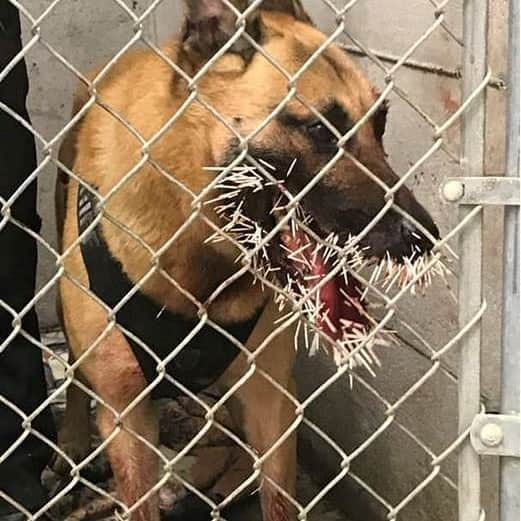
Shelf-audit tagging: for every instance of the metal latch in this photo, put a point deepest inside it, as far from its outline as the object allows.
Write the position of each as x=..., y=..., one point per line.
x=496, y=434
x=482, y=190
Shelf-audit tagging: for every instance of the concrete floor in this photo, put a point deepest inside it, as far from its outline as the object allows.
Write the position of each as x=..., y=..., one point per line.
x=306, y=491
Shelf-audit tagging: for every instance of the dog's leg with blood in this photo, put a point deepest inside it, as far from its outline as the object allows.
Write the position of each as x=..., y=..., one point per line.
x=134, y=464
x=265, y=423
x=115, y=377
x=266, y=414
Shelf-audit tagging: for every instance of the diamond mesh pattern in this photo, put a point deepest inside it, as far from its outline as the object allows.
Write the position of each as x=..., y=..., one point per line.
x=388, y=410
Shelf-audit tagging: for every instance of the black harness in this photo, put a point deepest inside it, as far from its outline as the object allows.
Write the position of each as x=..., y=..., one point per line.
x=199, y=363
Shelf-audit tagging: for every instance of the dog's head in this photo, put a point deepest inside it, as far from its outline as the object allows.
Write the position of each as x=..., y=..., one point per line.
x=328, y=96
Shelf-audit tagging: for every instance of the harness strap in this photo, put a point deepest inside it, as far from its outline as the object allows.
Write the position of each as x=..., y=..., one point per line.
x=205, y=353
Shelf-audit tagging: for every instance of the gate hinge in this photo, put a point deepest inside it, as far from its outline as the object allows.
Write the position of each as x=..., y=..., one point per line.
x=496, y=434
x=482, y=190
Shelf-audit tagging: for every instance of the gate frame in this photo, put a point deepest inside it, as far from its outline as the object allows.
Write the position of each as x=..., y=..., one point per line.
x=475, y=18
x=490, y=434
x=510, y=341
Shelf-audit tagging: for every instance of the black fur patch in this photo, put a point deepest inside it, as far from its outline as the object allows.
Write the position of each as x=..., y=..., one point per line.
x=201, y=361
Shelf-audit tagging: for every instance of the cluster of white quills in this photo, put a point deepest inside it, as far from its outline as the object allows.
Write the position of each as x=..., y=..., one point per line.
x=357, y=346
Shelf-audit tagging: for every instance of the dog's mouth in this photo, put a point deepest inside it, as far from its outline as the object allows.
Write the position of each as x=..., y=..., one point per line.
x=316, y=275
x=332, y=296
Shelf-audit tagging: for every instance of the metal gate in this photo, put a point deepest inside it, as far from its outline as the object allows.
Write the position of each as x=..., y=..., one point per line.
x=479, y=432
x=486, y=431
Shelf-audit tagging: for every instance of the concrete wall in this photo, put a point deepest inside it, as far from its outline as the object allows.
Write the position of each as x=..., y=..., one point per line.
x=87, y=32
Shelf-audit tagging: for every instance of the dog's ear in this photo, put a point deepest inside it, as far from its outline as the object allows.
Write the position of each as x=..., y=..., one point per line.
x=211, y=23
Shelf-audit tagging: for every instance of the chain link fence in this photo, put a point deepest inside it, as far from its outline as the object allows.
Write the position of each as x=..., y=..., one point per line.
x=205, y=456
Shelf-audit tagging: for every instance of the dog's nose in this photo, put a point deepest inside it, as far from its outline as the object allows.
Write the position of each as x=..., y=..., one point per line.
x=412, y=235
x=412, y=207
x=408, y=230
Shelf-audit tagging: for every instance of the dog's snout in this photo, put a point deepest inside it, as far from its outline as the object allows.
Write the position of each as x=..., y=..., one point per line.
x=414, y=209
x=415, y=237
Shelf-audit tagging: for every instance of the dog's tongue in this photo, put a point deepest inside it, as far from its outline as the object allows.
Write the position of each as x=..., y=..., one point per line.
x=340, y=306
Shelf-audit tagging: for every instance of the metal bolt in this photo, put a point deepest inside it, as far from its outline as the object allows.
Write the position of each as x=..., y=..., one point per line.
x=453, y=191
x=491, y=434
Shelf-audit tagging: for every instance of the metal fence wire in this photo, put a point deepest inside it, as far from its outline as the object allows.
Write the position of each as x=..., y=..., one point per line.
x=388, y=289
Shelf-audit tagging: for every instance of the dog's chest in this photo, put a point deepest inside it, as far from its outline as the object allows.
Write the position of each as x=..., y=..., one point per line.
x=174, y=352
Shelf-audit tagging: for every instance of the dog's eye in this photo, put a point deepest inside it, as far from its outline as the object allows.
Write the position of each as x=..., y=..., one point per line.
x=321, y=135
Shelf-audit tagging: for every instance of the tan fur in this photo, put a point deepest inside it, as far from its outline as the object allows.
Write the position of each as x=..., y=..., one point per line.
x=142, y=90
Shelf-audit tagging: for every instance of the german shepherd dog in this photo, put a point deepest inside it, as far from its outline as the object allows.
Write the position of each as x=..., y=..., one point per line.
x=150, y=235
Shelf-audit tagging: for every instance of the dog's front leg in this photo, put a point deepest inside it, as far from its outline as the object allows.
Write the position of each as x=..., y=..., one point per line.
x=266, y=415
x=134, y=464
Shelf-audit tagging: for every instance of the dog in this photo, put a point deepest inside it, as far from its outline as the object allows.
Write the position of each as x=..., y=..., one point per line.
x=144, y=149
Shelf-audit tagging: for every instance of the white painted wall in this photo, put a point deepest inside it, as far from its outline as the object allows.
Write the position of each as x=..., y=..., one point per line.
x=86, y=32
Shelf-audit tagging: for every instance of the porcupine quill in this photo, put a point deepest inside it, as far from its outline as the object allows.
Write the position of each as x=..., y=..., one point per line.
x=356, y=349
